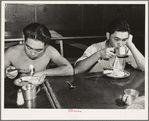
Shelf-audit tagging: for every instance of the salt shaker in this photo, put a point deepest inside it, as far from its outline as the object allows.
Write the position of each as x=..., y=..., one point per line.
x=20, y=99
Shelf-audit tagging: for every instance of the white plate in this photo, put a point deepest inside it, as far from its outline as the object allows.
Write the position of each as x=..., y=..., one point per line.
x=126, y=74
x=29, y=79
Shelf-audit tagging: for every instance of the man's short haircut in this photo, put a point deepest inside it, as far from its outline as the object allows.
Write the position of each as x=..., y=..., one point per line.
x=119, y=24
x=37, y=31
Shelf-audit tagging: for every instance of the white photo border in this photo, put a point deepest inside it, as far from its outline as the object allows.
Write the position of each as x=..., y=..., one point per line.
x=63, y=114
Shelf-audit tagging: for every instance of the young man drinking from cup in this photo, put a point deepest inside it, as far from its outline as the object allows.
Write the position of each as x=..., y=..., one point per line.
x=35, y=51
x=104, y=54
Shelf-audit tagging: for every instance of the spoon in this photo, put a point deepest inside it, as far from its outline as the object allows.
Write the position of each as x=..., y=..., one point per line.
x=31, y=67
x=70, y=85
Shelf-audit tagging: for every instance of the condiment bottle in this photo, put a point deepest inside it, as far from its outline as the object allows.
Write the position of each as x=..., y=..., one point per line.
x=20, y=99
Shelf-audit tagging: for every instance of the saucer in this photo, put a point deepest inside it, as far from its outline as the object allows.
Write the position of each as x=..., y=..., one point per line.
x=122, y=56
x=126, y=74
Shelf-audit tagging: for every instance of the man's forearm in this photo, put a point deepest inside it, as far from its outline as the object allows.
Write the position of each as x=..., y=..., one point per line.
x=139, y=58
x=59, y=71
x=87, y=63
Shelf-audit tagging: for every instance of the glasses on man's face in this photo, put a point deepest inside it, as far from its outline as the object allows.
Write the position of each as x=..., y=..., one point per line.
x=30, y=48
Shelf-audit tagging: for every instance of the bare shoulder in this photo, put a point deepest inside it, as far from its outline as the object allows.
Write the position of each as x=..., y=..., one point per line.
x=13, y=50
x=49, y=47
x=51, y=50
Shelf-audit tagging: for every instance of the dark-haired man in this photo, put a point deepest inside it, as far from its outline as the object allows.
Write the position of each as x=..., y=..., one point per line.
x=36, y=51
x=102, y=55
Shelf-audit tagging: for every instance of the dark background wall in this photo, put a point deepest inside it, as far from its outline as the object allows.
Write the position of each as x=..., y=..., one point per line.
x=72, y=16
x=68, y=17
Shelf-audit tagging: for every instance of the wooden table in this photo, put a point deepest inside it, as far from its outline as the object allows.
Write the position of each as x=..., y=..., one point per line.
x=43, y=100
x=93, y=92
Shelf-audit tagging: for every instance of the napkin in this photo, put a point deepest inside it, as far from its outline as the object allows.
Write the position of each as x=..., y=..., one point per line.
x=138, y=103
x=119, y=63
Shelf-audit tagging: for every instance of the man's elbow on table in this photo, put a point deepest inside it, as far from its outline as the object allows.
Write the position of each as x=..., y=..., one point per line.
x=141, y=66
x=69, y=70
x=77, y=69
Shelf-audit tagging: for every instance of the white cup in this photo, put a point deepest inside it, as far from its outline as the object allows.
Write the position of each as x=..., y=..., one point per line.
x=130, y=95
x=122, y=50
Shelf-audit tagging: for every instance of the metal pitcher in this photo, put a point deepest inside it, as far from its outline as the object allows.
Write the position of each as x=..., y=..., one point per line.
x=29, y=91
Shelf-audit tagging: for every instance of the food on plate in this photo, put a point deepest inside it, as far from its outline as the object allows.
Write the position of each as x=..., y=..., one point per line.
x=107, y=71
x=118, y=73
x=36, y=80
x=115, y=72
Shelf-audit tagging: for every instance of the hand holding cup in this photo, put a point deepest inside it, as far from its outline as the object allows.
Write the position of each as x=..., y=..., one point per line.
x=107, y=53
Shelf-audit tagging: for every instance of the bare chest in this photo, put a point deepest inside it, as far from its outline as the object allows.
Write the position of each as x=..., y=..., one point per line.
x=23, y=62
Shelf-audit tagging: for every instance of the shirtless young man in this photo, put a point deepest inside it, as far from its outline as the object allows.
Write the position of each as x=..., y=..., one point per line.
x=36, y=51
x=102, y=55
